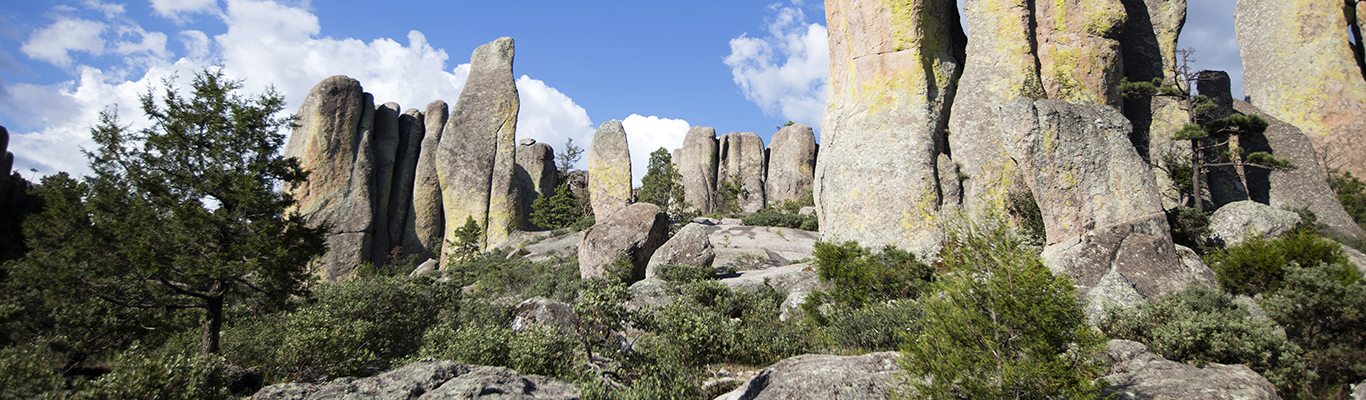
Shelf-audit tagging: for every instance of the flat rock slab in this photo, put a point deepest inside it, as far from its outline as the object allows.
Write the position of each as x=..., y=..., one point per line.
x=1136, y=373
x=780, y=246
x=553, y=246
x=429, y=380
x=818, y=376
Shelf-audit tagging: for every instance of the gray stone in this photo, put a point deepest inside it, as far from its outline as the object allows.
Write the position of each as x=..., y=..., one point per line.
x=742, y=162
x=950, y=183
x=634, y=232
x=689, y=246
x=332, y=140
x=1080, y=60
x=884, y=120
x=526, y=142
x=791, y=164
x=798, y=280
x=427, y=379
x=386, y=155
x=553, y=246
x=1231, y=224
x=410, y=132
x=1150, y=37
x=536, y=173
x=609, y=170
x=807, y=211
x=697, y=165
x=1135, y=373
x=1359, y=389
x=475, y=182
x=818, y=376
x=546, y=312
x=426, y=218
x=739, y=244
x=650, y=293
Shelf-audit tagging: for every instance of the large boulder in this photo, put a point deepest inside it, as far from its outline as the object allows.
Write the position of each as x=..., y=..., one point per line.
x=333, y=141
x=386, y=156
x=428, y=379
x=411, y=131
x=697, y=165
x=1079, y=52
x=634, y=232
x=426, y=219
x=609, y=170
x=476, y=156
x=791, y=164
x=1104, y=220
x=1135, y=373
x=1299, y=67
x=819, y=376
x=893, y=73
x=546, y=312
x=736, y=244
x=689, y=246
x=1235, y=222
x=742, y=163
x=536, y=173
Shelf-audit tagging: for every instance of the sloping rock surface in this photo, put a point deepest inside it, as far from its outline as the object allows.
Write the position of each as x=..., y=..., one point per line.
x=429, y=380
x=813, y=376
x=1238, y=221
x=689, y=246
x=1137, y=374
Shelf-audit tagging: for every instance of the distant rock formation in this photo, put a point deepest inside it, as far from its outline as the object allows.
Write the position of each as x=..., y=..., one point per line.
x=742, y=162
x=697, y=163
x=894, y=69
x=791, y=164
x=1150, y=38
x=1079, y=51
x=410, y=134
x=386, y=155
x=609, y=170
x=536, y=173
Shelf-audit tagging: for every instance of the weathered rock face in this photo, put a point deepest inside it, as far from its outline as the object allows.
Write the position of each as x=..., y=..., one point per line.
x=429, y=380
x=893, y=71
x=634, y=232
x=536, y=172
x=1150, y=36
x=1136, y=373
x=812, y=376
x=410, y=133
x=1298, y=66
x=742, y=162
x=426, y=217
x=544, y=311
x=1079, y=52
x=386, y=155
x=609, y=170
x=476, y=156
x=1105, y=224
x=333, y=141
x=697, y=164
x=689, y=246
x=1235, y=222
x=791, y=164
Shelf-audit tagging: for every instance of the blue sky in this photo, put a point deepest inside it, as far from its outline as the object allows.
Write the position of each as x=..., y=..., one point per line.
x=658, y=66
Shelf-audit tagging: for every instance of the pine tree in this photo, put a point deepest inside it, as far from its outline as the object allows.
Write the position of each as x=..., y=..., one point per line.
x=662, y=184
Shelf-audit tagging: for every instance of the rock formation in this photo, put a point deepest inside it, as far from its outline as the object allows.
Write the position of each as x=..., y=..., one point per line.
x=1233, y=223
x=1136, y=373
x=410, y=133
x=428, y=379
x=6, y=161
x=697, y=164
x=386, y=155
x=543, y=311
x=332, y=140
x=893, y=73
x=634, y=232
x=818, y=376
x=426, y=217
x=477, y=141
x=690, y=246
x=791, y=164
x=609, y=170
x=1150, y=39
x=536, y=173
x=1078, y=48
x=742, y=163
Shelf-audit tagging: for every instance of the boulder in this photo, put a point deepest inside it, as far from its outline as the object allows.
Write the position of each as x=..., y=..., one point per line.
x=544, y=311
x=634, y=232
x=578, y=183
x=386, y=155
x=689, y=246
x=536, y=173
x=476, y=156
x=697, y=165
x=1233, y=223
x=742, y=162
x=609, y=170
x=1135, y=373
x=798, y=280
x=650, y=293
x=333, y=141
x=1299, y=67
x=1080, y=58
x=735, y=243
x=553, y=246
x=426, y=218
x=428, y=379
x=410, y=131
x=426, y=267
x=819, y=376
x=791, y=164
x=1359, y=389
x=893, y=73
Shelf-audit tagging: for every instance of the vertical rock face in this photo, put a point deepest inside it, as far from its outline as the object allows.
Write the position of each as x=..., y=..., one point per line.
x=742, y=160
x=791, y=164
x=893, y=69
x=536, y=174
x=697, y=164
x=426, y=218
x=609, y=170
x=472, y=151
x=6, y=162
x=331, y=143
x=410, y=133
x=1298, y=66
x=1150, y=36
x=1079, y=54
x=386, y=154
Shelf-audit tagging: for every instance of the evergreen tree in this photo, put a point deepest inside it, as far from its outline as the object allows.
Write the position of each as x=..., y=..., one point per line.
x=565, y=160
x=662, y=184
x=557, y=211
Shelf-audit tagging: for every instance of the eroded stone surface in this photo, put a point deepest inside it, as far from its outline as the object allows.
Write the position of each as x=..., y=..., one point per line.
x=742, y=162
x=426, y=218
x=791, y=164
x=609, y=170
x=635, y=232
x=697, y=164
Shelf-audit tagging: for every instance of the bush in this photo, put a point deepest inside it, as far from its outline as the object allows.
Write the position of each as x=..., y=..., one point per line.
x=556, y=211
x=140, y=375
x=857, y=276
x=539, y=350
x=771, y=217
x=1323, y=310
x=1257, y=265
x=1351, y=193
x=875, y=327
x=28, y=371
x=681, y=274
x=708, y=322
x=1189, y=227
x=494, y=274
x=1201, y=325
x=1026, y=213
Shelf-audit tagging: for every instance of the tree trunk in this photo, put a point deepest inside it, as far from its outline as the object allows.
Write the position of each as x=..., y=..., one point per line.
x=1195, y=176
x=213, y=321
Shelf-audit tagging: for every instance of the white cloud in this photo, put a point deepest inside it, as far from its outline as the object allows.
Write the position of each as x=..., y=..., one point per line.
x=1209, y=30
x=179, y=10
x=196, y=44
x=644, y=135
x=54, y=42
x=786, y=72
x=551, y=117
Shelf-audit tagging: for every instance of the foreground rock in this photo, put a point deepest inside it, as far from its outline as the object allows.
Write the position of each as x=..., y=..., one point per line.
x=634, y=232
x=609, y=170
x=1233, y=223
x=883, y=126
x=689, y=246
x=791, y=164
x=697, y=164
x=1136, y=373
x=814, y=376
x=429, y=380
x=742, y=163
x=736, y=244
x=798, y=280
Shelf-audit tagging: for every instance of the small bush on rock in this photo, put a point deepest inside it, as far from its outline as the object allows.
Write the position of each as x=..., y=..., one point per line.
x=1257, y=265
x=772, y=217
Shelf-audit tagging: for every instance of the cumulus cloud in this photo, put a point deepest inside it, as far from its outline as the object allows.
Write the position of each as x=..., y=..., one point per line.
x=196, y=44
x=179, y=10
x=786, y=72
x=552, y=117
x=644, y=135
x=53, y=43
x=1209, y=30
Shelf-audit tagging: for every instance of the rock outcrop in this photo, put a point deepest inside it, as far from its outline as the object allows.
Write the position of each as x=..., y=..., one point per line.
x=634, y=232
x=429, y=379
x=426, y=217
x=609, y=170
x=1299, y=67
x=689, y=246
x=742, y=163
x=1235, y=222
x=536, y=173
x=1080, y=60
x=791, y=164
x=1150, y=38
x=818, y=376
x=697, y=164
x=410, y=133
x=893, y=73
x=546, y=312
x=386, y=156
x=1135, y=373
x=477, y=153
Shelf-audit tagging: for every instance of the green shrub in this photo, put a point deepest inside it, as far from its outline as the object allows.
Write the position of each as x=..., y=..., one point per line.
x=494, y=274
x=142, y=375
x=29, y=370
x=601, y=310
x=857, y=276
x=1351, y=193
x=556, y=211
x=469, y=240
x=875, y=327
x=771, y=217
x=1189, y=227
x=1026, y=213
x=537, y=350
x=1323, y=310
x=585, y=222
x=1201, y=325
x=1257, y=265
x=708, y=322
x=682, y=274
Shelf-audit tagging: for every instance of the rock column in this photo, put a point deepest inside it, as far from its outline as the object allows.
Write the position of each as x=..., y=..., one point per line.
x=697, y=164
x=609, y=170
x=426, y=218
x=791, y=164
x=742, y=163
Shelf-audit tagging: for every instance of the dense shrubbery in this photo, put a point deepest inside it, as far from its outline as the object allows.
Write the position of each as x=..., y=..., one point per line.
x=1351, y=193
x=858, y=276
x=556, y=211
x=1323, y=310
x=1258, y=264
x=772, y=217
